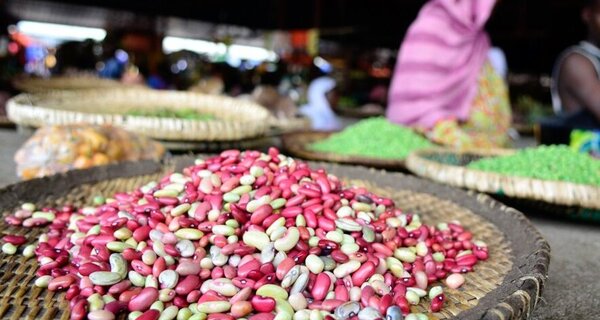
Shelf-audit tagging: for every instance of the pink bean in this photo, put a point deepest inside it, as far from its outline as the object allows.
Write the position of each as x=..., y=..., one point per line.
x=151, y=314
x=143, y=300
x=14, y=239
x=365, y=271
x=321, y=286
x=263, y=304
x=188, y=284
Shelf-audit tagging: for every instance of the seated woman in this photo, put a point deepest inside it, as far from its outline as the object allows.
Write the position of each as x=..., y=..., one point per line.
x=444, y=83
x=576, y=76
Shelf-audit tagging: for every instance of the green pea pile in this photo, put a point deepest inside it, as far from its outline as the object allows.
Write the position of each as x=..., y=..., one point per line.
x=556, y=163
x=183, y=113
x=375, y=138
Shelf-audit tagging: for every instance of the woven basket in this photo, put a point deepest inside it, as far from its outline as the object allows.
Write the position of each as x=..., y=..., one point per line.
x=449, y=167
x=80, y=82
x=236, y=119
x=257, y=143
x=296, y=144
x=288, y=125
x=506, y=286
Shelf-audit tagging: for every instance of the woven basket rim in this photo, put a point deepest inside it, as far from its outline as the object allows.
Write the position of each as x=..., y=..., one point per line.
x=555, y=192
x=236, y=119
x=515, y=298
x=72, y=82
x=295, y=144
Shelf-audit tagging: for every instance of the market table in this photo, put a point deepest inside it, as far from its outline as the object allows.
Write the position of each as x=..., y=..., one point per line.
x=573, y=288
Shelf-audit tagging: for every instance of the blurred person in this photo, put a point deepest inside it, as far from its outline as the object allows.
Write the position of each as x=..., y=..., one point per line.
x=576, y=76
x=444, y=83
x=75, y=56
x=322, y=97
x=280, y=106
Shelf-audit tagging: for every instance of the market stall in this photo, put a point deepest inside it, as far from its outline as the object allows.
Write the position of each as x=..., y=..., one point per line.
x=197, y=165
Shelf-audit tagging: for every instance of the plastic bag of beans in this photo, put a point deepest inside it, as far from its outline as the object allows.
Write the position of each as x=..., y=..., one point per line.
x=56, y=149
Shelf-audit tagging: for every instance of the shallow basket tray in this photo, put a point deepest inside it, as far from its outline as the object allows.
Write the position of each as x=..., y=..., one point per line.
x=37, y=85
x=235, y=119
x=449, y=167
x=288, y=125
x=297, y=144
x=506, y=286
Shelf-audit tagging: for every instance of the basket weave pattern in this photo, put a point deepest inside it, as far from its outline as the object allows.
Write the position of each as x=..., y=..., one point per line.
x=236, y=119
x=557, y=192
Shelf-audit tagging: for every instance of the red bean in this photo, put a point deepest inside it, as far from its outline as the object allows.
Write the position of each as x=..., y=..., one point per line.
x=143, y=300
x=220, y=316
x=263, y=304
x=61, y=283
x=263, y=316
x=284, y=266
x=14, y=239
x=188, y=284
x=79, y=310
x=321, y=286
x=365, y=271
x=466, y=260
x=151, y=314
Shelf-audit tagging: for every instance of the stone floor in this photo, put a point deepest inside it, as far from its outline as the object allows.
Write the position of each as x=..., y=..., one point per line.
x=571, y=292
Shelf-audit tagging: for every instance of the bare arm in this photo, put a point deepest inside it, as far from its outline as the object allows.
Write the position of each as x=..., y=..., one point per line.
x=581, y=81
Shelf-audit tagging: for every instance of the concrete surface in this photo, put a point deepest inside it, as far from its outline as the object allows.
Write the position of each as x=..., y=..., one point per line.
x=571, y=292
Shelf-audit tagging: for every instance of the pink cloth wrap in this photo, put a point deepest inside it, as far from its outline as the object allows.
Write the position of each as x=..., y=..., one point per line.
x=439, y=63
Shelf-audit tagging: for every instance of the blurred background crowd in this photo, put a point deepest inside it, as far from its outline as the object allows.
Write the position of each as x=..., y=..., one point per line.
x=272, y=51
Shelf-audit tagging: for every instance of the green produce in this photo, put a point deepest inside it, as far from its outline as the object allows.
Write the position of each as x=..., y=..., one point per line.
x=375, y=138
x=184, y=113
x=557, y=163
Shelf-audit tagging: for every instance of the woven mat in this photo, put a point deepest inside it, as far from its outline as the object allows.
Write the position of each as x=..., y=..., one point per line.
x=296, y=144
x=506, y=286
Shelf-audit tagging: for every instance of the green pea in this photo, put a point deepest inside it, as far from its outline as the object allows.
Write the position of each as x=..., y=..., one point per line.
x=554, y=163
x=375, y=138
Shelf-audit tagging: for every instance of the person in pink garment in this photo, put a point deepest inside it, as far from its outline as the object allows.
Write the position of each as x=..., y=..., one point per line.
x=444, y=83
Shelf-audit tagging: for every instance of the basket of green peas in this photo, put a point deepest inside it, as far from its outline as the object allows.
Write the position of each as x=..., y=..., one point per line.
x=373, y=142
x=551, y=174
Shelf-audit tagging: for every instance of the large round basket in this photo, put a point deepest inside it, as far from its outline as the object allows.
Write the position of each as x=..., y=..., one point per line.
x=79, y=82
x=506, y=286
x=297, y=144
x=449, y=167
x=235, y=119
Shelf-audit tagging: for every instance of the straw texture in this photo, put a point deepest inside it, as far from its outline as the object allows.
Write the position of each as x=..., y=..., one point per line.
x=79, y=82
x=236, y=119
x=448, y=167
x=297, y=144
x=506, y=286
x=288, y=125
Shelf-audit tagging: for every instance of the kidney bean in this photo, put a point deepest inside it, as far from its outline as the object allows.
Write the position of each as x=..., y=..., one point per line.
x=263, y=304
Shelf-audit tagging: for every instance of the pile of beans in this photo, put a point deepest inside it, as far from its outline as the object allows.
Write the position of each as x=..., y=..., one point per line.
x=373, y=137
x=556, y=163
x=246, y=235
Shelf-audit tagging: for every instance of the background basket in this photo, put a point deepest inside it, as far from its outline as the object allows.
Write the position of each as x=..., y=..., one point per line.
x=236, y=119
x=78, y=82
x=289, y=125
x=506, y=286
x=297, y=144
x=449, y=167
